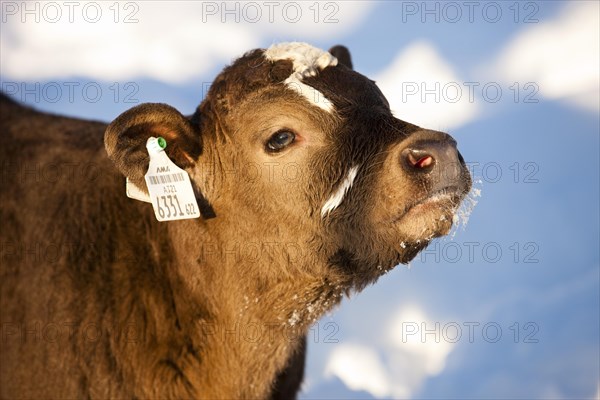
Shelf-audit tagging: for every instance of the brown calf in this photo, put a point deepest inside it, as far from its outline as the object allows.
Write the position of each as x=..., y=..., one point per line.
x=309, y=188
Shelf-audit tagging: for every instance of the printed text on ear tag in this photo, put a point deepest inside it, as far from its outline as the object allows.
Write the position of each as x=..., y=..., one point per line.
x=168, y=185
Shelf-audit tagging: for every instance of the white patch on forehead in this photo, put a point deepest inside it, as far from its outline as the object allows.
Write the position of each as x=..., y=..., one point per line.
x=306, y=58
x=336, y=199
x=307, y=61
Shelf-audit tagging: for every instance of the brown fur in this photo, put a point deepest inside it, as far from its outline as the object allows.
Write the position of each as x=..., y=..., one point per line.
x=204, y=308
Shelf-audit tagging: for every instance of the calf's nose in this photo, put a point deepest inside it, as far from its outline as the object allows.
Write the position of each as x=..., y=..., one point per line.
x=434, y=159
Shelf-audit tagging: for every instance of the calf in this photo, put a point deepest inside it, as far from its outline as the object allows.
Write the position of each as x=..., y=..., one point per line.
x=308, y=186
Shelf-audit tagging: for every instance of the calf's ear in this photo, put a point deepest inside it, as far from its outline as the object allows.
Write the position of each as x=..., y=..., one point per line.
x=342, y=54
x=125, y=139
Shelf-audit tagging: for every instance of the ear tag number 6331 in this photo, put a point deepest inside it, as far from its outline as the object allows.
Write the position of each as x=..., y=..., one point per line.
x=169, y=186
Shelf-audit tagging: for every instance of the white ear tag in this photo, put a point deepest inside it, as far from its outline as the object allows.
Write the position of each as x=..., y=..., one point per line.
x=169, y=186
x=133, y=192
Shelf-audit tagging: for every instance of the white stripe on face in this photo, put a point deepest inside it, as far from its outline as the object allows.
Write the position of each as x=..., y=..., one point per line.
x=336, y=199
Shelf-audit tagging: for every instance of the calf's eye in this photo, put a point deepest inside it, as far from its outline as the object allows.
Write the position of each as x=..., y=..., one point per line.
x=279, y=141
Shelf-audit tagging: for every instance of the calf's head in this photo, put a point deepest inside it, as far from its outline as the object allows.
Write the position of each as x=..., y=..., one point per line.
x=291, y=144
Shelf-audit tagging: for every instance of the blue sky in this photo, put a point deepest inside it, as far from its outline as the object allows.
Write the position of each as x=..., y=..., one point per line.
x=520, y=281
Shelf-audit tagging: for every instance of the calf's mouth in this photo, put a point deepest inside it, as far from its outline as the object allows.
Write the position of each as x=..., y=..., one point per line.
x=437, y=208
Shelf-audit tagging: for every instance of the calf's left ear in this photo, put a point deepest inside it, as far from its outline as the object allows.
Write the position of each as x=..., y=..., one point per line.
x=125, y=139
x=342, y=54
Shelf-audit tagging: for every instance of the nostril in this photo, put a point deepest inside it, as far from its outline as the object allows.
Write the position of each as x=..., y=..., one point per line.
x=419, y=159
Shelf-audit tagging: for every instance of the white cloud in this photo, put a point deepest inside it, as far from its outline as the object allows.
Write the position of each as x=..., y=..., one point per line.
x=360, y=368
x=420, y=349
x=171, y=46
x=428, y=344
x=562, y=56
x=423, y=89
x=399, y=366
x=171, y=41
